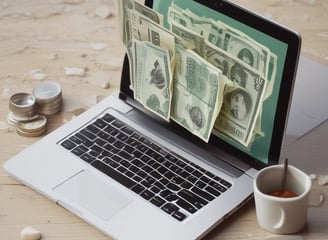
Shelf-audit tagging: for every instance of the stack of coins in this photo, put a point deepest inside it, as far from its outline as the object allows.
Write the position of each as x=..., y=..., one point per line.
x=48, y=97
x=34, y=128
x=22, y=106
x=24, y=117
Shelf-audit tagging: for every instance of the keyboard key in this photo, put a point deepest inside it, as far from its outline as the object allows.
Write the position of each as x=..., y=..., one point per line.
x=187, y=206
x=127, y=130
x=75, y=139
x=108, y=118
x=111, y=162
x=118, y=124
x=100, y=123
x=138, y=188
x=127, y=182
x=68, y=144
x=155, y=189
x=212, y=191
x=202, y=193
x=200, y=184
x=225, y=183
x=179, y=215
x=87, y=157
x=173, y=187
x=88, y=134
x=217, y=186
x=170, y=208
x=84, y=140
x=146, y=194
x=93, y=129
x=78, y=151
x=157, y=201
x=192, y=198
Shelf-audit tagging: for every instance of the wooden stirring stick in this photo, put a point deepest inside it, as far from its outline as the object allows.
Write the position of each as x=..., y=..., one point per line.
x=284, y=177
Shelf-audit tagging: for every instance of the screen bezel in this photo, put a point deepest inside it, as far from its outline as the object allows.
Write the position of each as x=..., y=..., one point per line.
x=271, y=28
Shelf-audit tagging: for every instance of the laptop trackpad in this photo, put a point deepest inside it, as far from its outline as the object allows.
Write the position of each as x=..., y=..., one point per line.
x=88, y=191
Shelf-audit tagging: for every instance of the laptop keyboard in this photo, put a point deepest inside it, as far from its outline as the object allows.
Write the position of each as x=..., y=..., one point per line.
x=170, y=182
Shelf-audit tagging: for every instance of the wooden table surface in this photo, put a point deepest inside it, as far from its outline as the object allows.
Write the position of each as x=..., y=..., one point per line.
x=40, y=38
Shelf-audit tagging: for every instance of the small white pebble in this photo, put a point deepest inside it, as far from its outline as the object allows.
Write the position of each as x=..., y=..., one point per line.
x=109, y=62
x=74, y=71
x=29, y=233
x=313, y=176
x=99, y=46
x=322, y=180
x=36, y=74
x=101, y=79
x=90, y=101
x=104, y=12
x=53, y=56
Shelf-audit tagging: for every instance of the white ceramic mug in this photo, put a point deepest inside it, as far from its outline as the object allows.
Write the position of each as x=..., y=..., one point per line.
x=277, y=214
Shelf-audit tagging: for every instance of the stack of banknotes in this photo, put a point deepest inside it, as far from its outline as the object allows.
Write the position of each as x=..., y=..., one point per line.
x=199, y=72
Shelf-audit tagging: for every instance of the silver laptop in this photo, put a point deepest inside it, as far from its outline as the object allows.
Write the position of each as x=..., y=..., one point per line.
x=133, y=175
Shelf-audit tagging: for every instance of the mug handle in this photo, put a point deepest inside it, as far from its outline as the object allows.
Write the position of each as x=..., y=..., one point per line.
x=320, y=203
x=281, y=221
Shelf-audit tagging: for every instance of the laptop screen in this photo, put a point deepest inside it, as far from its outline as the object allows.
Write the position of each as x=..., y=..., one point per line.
x=257, y=59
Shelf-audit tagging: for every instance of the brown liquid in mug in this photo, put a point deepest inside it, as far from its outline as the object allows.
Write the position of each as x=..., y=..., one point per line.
x=284, y=194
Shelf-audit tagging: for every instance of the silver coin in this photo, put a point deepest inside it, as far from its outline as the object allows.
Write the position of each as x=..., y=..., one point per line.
x=47, y=92
x=11, y=120
x=36, y=126
x=23, y=117
x=22, y=103
x=50, y=105
x=31, y=134
x=50, y=110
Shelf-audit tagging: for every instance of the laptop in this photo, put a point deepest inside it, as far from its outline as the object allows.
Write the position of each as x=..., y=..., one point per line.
x=133, y=175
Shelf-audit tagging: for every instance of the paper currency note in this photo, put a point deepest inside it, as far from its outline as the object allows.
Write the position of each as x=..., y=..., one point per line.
x=255, y=56
x=241, y=108
x=144, y=29
x=189, y=39
x=125, y=9
x=154, y=16
x=197, y=93
x=152, y=83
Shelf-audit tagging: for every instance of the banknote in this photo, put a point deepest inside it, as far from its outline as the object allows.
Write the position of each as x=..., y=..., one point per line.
x=144, y=29
x=126, y=8
x=240, y=74
x=154, y=16
x=254, y=55
x=241, y=109
x=189, y=39
x=130, y=51
x=197, y=93
x=238, y=120
x=212, y=30
x=152, y=83
x=187, y=19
